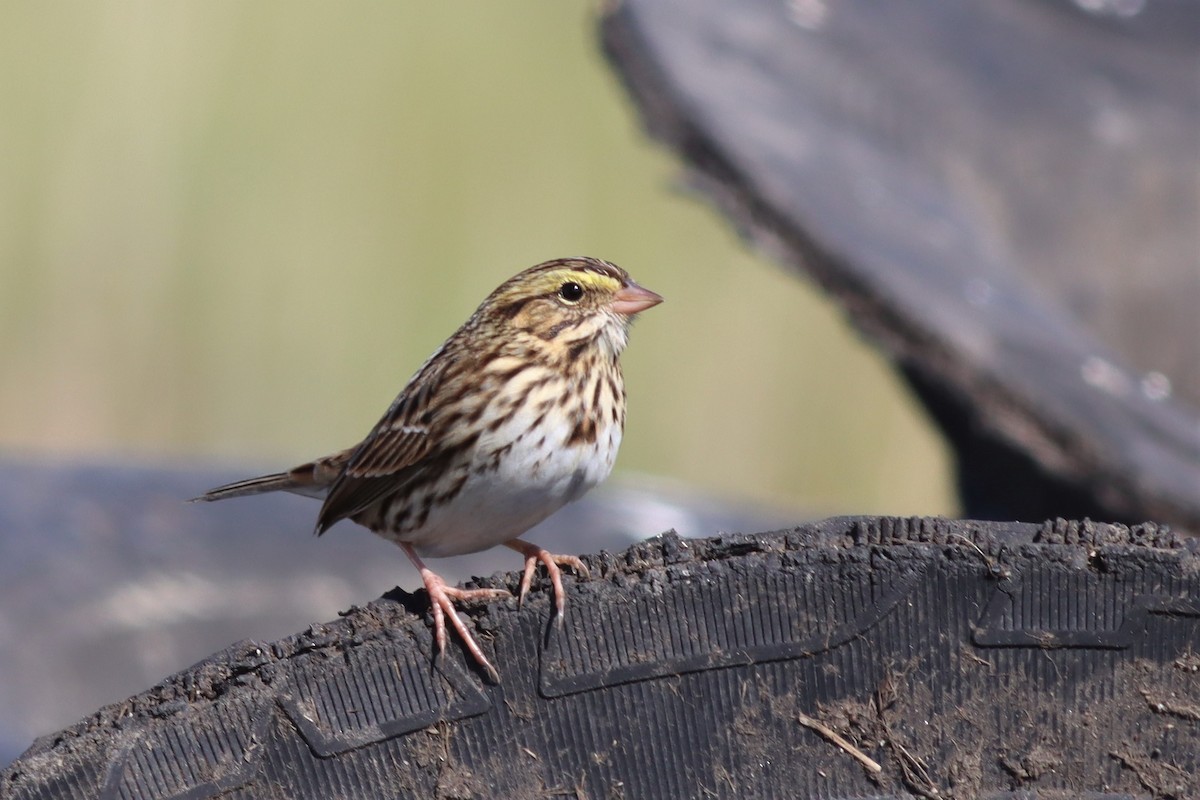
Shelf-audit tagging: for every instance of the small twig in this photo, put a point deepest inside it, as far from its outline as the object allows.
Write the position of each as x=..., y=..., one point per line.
x=820, y=727
x=915, y=774
x=968, y=654
x=993, y=568
x=1168, y=706
x=1153, y=779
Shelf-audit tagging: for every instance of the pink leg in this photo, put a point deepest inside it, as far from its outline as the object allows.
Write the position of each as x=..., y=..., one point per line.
x=533, y=554
x=441, y=597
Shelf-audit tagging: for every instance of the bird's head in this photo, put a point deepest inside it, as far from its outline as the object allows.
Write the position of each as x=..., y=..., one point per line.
x=570, y=303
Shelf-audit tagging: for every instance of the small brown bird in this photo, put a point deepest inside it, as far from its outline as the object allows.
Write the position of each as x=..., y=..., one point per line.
x=518, y=413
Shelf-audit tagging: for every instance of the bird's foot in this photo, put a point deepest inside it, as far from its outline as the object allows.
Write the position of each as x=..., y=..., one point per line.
x=533, y=554
x=441, y=598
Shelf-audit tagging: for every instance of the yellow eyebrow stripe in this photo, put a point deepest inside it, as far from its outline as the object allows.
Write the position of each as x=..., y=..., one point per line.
x=550, y=282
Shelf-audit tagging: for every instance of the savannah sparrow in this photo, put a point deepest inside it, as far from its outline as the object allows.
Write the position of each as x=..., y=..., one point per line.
x=518, y=413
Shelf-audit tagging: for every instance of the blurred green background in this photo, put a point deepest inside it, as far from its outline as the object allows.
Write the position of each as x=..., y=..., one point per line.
x=230, y=231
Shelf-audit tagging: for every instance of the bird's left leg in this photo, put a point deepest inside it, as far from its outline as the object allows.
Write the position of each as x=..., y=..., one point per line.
x=533, y=554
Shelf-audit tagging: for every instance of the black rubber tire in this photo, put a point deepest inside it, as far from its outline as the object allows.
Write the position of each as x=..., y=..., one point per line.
x=966, y=659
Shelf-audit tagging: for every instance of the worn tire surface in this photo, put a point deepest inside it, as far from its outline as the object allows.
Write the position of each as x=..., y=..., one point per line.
x=966, y=659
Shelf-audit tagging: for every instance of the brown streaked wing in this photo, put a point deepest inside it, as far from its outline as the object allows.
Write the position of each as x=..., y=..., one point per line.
x=398, y=441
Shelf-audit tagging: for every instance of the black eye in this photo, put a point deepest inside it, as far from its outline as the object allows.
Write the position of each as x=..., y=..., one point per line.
x=571, y=292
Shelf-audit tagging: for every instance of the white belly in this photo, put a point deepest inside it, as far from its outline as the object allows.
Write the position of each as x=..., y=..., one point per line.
x=504, y=497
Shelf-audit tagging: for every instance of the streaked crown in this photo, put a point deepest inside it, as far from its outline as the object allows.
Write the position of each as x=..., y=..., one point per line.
x=569, y=301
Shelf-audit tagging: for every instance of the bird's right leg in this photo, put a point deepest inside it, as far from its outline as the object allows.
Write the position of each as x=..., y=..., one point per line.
x=442, y=597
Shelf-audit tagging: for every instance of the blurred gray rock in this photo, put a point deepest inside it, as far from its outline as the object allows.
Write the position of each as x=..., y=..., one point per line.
x=1003, y=196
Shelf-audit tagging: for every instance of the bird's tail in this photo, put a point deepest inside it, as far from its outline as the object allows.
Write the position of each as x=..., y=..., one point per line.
x=279, y=482
x=312, y=479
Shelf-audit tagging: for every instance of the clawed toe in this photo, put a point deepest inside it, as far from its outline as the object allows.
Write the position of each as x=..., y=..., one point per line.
x=441, y=598
x=533, y=554
x=470, y=595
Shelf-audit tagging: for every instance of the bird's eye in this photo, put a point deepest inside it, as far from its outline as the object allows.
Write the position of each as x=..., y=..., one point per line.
x=571, y=292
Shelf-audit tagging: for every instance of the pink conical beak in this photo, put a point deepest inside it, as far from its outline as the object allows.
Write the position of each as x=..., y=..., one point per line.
x=633, y=299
